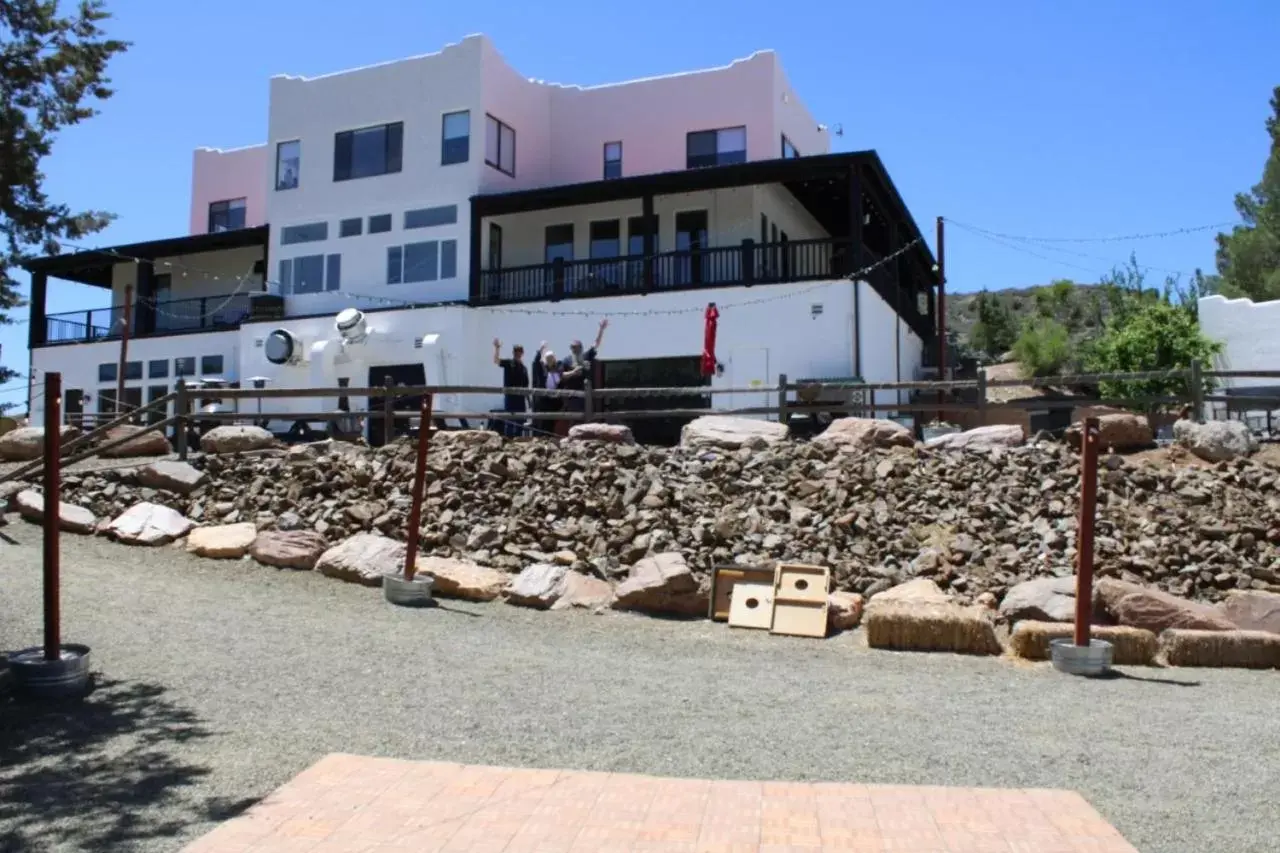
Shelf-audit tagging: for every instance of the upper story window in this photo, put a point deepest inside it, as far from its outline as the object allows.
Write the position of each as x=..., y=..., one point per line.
x=426, y=217
x=455, y=143
x=312, y=232
x=613, y=159
x=368, y=152
x=288, y=164
x=721, y=147
x=351, y=227
x=310, y=274
x=500, y=146
x=226, y=215
x=788, y=150
x=379, y=223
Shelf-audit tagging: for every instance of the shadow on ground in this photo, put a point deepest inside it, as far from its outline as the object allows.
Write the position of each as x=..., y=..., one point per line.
x=103, y=773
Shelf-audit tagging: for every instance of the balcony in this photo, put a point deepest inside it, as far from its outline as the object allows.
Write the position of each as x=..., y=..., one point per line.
x=178, y=316
x=746, y=264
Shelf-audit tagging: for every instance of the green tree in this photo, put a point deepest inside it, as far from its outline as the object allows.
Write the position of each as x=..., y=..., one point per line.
x=1043, y=348
x=994, y=332
x=1155, y=335
x=52, y=70
x=1248, y=258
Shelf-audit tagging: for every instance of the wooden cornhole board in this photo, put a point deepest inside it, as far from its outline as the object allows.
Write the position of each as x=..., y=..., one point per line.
x=752, y=606
x=723, y=580
x=800, y=600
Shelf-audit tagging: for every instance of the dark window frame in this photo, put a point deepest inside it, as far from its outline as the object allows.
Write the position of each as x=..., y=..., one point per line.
x=464, y=156
x=718, y=158
x=616, y=162
x=431, y=217
x=377, y=220
x=353, y=227
x=307, y=232
x=204, y=362
x=297, y=178
x=180, y=362
x=108, y=371
x=547, y=243
x=392, y=151
x=614, y=225
x=788, y=144
x=500, y=126
x=158, y=368
x=133, y=371
x=224, y=207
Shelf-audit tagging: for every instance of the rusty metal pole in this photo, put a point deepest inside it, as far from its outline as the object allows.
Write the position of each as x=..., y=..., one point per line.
x=126, y=319
x=419, y=486
x=52, y=491
x=941, y=309
x=1084, y=537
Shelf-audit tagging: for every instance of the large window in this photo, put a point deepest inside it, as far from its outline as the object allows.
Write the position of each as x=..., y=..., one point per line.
x=426, y=217
x=455, y=144
x=312, y=232
x=430, y=260
x=226, y=215
x=788, y=150
x=310, y=274
x=368, y=151
x=716, y=147
x=613, y=159
x=559, y=243
x=606, y=239
x=288, y=164
x=500, y=146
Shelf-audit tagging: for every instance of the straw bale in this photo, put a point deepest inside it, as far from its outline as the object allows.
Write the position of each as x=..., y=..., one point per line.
x=931, y=627
x=1247, y=649
x=1130, y=646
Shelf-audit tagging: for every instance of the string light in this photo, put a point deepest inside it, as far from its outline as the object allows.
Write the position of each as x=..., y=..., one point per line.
x=1124, y=238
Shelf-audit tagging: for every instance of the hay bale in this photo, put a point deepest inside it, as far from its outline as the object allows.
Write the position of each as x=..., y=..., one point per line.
x=1130, y=646
x=937, y=627
x=1246, y=649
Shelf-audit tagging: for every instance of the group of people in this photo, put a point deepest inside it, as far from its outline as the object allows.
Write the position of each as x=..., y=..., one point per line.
x=549, y=372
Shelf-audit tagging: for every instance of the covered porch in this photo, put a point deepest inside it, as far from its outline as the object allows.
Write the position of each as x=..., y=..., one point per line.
x=198, y=283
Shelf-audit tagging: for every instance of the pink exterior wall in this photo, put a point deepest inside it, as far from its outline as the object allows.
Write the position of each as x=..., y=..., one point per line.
x=218, y=175
x=793, y=118
x=526, y=107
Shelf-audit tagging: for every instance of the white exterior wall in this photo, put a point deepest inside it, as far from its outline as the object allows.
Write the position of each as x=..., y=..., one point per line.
x=1247, y=331
x=891, y=351
x=780, y=206
x=525, y=107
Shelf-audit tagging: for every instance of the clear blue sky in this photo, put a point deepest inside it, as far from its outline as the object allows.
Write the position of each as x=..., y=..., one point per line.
x=1040, y=118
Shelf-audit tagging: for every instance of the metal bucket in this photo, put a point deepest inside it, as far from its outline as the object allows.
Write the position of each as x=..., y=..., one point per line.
x=37, y=678
x=1094, y=659
x=414, y=593
x=928, y=433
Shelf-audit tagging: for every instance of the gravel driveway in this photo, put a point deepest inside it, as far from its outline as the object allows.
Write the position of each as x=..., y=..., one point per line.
x=220, y=681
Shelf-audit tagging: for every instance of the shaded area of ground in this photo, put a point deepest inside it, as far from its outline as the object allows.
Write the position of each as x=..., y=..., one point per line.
x=224, y=679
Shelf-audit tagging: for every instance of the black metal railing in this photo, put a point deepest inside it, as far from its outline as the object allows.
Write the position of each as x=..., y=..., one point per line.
x=203, y=314
x=745, y=264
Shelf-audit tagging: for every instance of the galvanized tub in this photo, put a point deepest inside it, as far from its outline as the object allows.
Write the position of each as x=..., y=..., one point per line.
x=1093, y=659
x=931, y=432
x=408, y=593
x=37, y=678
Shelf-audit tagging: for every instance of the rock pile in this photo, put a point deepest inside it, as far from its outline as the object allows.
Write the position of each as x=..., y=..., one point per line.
x=877, y=511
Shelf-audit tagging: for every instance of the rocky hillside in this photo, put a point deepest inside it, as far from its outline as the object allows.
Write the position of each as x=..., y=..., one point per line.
x=973, y=522
x=1081, y=308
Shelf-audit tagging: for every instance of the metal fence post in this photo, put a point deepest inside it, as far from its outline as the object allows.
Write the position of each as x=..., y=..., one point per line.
x=1197, y=392
x=181, y=406
x=982, y=396
x=782, y=399
x=588, y=406
x=388, y=423
x=52, y=496
x=1084, y=537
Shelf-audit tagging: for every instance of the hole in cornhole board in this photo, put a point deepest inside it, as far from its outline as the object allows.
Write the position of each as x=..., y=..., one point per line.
x=795, y=582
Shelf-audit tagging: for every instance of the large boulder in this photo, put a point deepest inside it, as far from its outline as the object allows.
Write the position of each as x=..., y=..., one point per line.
x=729, y=433
x=865, y=433
x=979, y=438
x=612, y=433
x=288, y=549
x=539, y=585
x=462, y=578
x=1215, y=441
x=1154, y=610
x=71, y=518
x=169, y=476
x=363, y=559
x=144, y=442
x=662, y=583
x=585, y=591
x=1252, y=610
x=222, y=541
x=1121, y=431
x=1041, y=600
x=26, y=443
x=236, y=439
x=149, y=524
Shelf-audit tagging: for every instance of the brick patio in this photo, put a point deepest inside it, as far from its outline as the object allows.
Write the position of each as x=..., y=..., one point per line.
x=352, y=804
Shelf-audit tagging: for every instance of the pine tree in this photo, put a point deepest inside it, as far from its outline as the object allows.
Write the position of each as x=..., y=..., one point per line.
x=1249, y=257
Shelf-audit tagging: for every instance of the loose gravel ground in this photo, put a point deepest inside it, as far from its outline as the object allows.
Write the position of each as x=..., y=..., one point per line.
x=220, y=681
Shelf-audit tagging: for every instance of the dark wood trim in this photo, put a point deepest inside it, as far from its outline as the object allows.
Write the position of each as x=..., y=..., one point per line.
x=473, y=273
x=855, y=220
x=650, y=238
x=38, y=326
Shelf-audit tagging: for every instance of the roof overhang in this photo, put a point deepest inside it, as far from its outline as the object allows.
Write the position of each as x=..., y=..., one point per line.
x=94, y=266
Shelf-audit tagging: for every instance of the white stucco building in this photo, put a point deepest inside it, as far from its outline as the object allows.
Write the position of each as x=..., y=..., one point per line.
x=446, y=194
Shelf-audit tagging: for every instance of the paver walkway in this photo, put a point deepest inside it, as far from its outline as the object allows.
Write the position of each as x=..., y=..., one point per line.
x=350, y=803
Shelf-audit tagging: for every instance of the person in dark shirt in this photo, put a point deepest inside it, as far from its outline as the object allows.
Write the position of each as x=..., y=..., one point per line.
x=577, y=368
x=514, y=375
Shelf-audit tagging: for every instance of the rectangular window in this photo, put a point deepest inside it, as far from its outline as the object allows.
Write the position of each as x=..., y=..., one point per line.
x=395, y=264
x=351, y=227
x=427, y=217
x=788, y=150
x=132, y=370
x=635, y=235
x=559, y=243
x=368, y=152
x=333, y=272
x=185, y=366
x=500, y=146
x=606, y=239
x=613, y=159
x=211, y=365
x=448, y=259
x=155, y=392
x=107, y=372
x=158, y=368
x=455, y=145
x=308, y=274
x=226, y=215
x=286, y=277
x=106, y=401
x=722, y=147
x=421, y=261
x=288, y=164
x=380, y=223
x=312, y=232
x=495, y=246
x=764, y=228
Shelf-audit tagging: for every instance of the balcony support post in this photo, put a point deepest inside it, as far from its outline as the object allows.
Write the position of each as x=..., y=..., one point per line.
x=38, y=329
x=855, y=222
x=473, y=273
x=650, y=239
